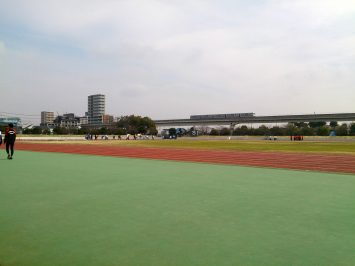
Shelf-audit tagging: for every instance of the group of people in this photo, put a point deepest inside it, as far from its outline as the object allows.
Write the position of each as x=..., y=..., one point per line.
x=128, y=137
x=9, y=140
x=95, y=137
x=296, y=137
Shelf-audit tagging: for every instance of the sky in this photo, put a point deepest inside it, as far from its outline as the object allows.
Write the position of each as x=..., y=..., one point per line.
x=171, y=59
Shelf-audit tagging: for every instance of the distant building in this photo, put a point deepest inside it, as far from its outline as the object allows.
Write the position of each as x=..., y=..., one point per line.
x=5, y=121
x=67, y=120
x=96, y=109
x=107, y=119
x=84, y=120
x=47, y=118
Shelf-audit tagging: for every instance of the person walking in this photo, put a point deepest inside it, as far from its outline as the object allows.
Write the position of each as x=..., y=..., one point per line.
x=0, y=138
x=10, y=138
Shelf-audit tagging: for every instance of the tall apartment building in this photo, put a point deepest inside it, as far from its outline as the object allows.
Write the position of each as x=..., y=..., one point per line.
x=96, y=109
x=47, y=117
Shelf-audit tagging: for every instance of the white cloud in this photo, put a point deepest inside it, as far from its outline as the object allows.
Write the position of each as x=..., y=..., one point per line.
x=322, y=12
x=207, y=56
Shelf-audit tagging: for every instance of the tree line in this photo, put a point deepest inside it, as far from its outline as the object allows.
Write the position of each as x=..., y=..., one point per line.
x=301, y=128
x=144, y=125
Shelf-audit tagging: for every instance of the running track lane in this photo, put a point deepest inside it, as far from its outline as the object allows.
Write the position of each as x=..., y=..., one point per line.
x=299, y=161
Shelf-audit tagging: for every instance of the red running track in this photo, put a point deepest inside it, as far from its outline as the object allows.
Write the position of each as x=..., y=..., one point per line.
x=315, y=162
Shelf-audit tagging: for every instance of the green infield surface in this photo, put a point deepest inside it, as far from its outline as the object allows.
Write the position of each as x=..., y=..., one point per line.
x=66, y=209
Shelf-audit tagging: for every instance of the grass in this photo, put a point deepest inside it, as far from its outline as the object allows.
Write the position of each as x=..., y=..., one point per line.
x=63, y=209
x=234, y=145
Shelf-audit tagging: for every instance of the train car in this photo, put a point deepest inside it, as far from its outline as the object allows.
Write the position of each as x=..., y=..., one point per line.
x=194, y=117
x=221, y=116
x=246, y=114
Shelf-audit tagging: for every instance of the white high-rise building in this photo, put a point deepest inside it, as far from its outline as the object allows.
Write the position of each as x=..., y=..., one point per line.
x=96, y=109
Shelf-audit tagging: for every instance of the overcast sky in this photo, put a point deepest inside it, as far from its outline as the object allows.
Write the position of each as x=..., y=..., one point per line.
x=171, y=59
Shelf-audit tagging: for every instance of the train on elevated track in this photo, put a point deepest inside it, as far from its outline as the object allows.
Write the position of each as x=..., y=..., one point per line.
x=221, y=116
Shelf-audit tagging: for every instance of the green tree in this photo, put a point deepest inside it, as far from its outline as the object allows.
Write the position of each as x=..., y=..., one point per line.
x=352, y=129
x=317, y=124
x=136, y=124
x=291, y=129
x=36, y=130
x=277, y=131
x=46, y=131
x=342, y=130
x=300, y=124
x=57, y=130
x=214, y=132
x=323, y=131
x=119, y=131
x=243, y=130
x=172, y=131
x=225, y=131
x=82, y=131
x=152, y=131
x=60, y=130
x=333, y=124
x=263, y=130
x=307, y=131
x=103, y=131
x=24, y=131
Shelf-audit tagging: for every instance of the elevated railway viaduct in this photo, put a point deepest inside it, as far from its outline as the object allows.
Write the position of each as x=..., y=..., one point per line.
x=256, y=119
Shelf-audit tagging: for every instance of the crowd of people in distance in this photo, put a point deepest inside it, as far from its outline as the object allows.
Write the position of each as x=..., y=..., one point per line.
x=9, y=140
x=118, y=137
x=296, y=137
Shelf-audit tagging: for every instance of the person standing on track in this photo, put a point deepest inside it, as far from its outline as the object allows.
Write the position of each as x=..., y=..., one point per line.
x=10, y=138
x=0, y=138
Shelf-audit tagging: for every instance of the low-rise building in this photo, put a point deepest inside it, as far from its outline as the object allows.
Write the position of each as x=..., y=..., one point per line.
x=67, y=120
x=107, y=119
x=84, y=120
x=5, y=121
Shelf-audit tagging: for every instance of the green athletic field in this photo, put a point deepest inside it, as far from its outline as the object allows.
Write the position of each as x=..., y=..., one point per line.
x=325, y=147
x=64, y=209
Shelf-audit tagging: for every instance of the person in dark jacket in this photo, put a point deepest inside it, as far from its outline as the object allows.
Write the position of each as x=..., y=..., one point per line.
x=10, y=138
